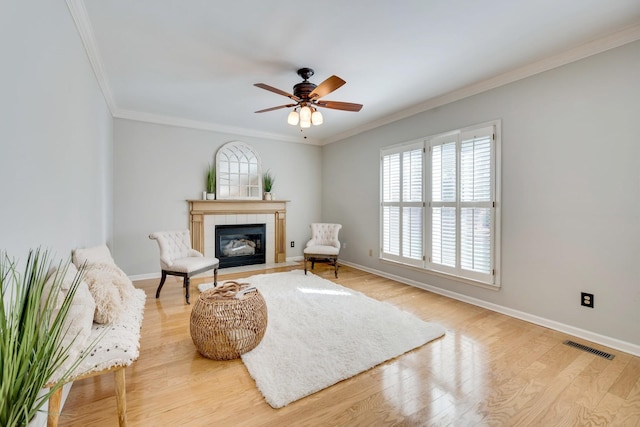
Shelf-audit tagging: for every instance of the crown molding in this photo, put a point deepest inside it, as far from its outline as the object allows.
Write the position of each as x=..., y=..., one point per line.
x=195, y=124
x=627, y=35
x=85, y=29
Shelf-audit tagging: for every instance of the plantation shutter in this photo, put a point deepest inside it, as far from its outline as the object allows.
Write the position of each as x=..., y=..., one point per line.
x=476, y=197
x=391, y=209
x=443, y=201
x=462, y=205
x=402, y=209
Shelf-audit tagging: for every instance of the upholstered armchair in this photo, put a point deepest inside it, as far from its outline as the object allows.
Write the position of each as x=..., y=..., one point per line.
x=177, y=258
x=324, y=245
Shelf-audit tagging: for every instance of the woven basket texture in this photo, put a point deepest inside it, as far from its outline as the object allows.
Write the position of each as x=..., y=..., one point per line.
x=224, y=327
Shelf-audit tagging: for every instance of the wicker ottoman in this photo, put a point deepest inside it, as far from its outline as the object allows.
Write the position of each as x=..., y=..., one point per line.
x=224, y=327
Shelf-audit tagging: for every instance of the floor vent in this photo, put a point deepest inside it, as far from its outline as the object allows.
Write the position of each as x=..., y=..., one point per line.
x=590, y=350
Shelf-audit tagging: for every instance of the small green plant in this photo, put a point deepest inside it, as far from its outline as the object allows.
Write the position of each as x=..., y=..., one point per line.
x=211, y=179
x=31, y=335
x=267, y=181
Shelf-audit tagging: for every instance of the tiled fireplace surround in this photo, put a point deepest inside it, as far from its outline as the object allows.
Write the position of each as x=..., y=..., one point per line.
x=204, y=215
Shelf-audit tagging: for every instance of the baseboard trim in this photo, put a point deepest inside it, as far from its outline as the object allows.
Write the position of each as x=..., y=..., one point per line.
x=145, y=276
x=604, y=340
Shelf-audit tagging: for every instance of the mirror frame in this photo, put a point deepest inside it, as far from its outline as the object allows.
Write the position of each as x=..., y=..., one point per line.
x=238, y=172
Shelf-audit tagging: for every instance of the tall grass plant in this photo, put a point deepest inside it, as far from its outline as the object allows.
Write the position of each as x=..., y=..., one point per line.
x=32, y=327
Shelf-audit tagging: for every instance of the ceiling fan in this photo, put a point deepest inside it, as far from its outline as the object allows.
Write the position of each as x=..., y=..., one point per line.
x=307, y=97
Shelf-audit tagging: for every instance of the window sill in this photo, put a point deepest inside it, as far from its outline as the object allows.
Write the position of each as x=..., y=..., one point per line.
x=458, y=279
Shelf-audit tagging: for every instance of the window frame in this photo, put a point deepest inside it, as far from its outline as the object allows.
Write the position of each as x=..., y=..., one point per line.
x=493, y=278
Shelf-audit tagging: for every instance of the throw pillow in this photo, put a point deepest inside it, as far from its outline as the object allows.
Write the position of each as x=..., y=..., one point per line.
x=110, y=287
x=92, y=255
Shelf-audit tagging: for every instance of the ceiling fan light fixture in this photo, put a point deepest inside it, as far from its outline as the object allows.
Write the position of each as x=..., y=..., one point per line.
x=304, y=124
x=316, y=117
x=293, y=118
x=305, y=114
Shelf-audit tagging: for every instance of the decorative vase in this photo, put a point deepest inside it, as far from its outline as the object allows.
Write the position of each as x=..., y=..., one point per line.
x=211, y=196
x=268, y=196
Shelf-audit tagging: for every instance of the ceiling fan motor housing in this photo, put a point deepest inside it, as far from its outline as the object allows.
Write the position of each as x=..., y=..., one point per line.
x=303, y=89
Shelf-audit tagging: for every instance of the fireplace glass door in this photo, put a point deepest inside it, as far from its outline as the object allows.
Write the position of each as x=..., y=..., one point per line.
x=240, y=244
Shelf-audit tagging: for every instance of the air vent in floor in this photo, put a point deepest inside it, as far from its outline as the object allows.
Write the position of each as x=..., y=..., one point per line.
x=590, y=350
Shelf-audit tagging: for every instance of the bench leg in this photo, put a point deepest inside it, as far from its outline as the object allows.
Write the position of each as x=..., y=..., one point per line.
x=54, y=408
x=215, y=277
x=121, y=396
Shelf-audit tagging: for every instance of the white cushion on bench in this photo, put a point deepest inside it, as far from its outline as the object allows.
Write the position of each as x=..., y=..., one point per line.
x=118, y=342
x=120, y=346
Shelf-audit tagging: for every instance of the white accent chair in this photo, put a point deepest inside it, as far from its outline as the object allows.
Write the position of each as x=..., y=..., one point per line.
x=177, y=258
x=324, y=245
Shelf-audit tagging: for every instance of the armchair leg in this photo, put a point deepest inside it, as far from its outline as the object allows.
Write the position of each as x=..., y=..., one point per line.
x=305, y=265
x=187, y=284
x=164, y=277
x=335, y=263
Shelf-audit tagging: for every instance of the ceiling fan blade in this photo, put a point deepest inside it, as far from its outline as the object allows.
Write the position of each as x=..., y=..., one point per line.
x=276, y=108
x=336, y=105
x=278, y=91
x=326, y=87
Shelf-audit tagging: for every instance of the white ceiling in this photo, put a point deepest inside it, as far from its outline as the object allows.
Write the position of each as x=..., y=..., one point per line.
x=194, y=62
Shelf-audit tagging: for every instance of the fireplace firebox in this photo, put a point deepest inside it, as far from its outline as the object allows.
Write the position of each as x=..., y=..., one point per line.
x=240, y=244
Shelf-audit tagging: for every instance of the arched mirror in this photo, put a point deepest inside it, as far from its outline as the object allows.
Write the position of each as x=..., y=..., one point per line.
x=239, y=172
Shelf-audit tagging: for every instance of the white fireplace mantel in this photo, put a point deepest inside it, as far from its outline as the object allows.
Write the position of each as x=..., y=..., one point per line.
x=199, y=209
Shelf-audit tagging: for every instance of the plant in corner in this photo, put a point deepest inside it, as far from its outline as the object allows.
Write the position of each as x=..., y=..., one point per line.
x=211, y=183
x=267, y=184
x=32, y=328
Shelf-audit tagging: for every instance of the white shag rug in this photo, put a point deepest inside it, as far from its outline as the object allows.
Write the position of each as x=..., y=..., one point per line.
x=320, y=333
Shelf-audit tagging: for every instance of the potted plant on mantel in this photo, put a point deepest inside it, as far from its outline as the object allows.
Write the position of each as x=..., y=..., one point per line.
x=211, y=183
x=267, y=184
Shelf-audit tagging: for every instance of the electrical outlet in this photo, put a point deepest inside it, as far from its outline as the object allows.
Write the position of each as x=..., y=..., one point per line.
x=293, y=244
x=344, y=245
x=586, y=300
x=370, y=252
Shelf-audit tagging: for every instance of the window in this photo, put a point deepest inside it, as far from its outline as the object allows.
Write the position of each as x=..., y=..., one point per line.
x=439, y=203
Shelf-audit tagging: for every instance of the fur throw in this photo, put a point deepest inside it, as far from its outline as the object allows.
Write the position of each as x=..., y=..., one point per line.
x=79, y=320
x=110, y=287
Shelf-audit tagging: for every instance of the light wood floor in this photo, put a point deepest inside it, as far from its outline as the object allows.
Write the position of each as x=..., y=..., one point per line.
x=489, y=369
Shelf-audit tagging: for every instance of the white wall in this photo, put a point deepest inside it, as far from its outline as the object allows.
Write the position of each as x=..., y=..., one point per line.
x=158, y=168
x=55, y=134
x=570, y=191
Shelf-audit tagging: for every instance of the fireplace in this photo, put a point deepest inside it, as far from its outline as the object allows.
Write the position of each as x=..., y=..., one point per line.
x=240, y=244
x=205, y=215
